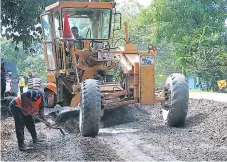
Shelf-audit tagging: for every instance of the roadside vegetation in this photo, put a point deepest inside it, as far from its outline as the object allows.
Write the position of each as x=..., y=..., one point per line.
x=191, y=36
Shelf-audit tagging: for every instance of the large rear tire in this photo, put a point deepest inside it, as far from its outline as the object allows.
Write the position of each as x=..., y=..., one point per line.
x=90, y=108
x=175, y=111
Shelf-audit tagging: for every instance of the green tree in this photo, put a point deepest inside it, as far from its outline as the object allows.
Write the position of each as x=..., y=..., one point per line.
x=193, y=28
x=25, y=60
x=21, y=19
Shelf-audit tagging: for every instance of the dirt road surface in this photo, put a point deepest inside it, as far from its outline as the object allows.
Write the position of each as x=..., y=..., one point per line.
x=132, y=133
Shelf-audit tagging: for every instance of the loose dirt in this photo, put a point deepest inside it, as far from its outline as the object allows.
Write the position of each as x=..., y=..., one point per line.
x=131, y=133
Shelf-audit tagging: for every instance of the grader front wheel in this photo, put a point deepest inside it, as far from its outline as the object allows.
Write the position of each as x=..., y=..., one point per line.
x=175, y=108
x=90, y=108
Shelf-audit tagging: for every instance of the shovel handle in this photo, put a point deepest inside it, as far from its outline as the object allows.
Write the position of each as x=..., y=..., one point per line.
x=36, y=117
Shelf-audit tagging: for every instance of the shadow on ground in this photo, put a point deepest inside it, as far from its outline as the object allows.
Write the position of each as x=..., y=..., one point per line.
x=195, y=120
x=121, y=115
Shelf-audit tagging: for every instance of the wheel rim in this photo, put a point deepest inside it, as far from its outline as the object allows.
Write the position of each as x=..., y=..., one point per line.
x=167, y=103
x=165, y=114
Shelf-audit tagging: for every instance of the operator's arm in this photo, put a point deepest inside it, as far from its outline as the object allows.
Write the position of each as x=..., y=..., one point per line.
x=41, y=112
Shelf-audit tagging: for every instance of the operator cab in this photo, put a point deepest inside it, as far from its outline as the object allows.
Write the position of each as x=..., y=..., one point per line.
x=90, y=24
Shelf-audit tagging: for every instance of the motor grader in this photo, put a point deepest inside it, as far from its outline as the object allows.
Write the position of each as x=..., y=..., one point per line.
x=79, y=49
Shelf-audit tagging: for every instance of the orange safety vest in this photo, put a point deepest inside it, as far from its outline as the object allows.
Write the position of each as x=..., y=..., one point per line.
x=35, y=104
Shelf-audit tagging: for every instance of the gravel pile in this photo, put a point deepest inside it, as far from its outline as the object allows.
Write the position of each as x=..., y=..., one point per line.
x=5, y=112
x=122, y=115
x=204, y=136
x=72, y=147
x=7, y=129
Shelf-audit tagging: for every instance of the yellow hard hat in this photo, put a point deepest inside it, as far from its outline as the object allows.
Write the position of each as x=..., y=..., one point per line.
x=52, y=87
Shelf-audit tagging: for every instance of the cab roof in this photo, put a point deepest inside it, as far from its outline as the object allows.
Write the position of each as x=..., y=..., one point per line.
x=69, y=4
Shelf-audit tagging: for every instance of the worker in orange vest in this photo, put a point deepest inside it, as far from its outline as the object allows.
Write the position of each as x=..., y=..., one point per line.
x=31, y=101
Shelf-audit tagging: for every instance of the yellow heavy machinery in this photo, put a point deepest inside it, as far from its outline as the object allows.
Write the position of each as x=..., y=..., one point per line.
x=79, y=51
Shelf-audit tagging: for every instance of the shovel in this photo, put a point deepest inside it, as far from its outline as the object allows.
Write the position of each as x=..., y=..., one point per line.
x=47, y=124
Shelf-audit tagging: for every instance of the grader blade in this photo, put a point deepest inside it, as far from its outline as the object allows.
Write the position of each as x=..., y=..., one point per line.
x=67, y=115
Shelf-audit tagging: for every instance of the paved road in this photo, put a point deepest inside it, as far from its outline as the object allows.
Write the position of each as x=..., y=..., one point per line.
x=209, y=96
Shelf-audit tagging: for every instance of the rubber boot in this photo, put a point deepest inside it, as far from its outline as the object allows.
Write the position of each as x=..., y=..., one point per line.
x=37, y=140
x=23, y=147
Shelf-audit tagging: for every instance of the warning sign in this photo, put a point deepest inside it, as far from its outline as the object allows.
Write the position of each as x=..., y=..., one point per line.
x=221, y=84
